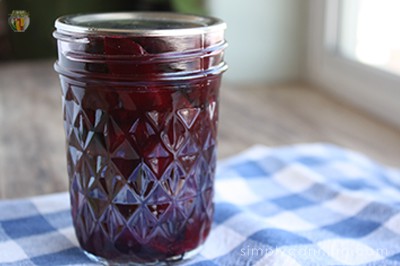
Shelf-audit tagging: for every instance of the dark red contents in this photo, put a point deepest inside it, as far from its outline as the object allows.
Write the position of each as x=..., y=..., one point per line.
x=141, y=158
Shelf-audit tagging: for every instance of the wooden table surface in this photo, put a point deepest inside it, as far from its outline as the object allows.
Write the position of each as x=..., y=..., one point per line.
x=32, y=157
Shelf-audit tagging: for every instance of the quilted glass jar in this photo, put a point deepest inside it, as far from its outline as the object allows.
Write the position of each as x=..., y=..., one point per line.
x=140, y=108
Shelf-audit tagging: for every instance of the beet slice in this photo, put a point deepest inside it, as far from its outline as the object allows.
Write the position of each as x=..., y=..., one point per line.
x=117, y=45
x=120, y=46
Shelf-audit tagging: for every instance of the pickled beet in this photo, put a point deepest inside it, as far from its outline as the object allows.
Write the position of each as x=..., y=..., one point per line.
x=117, y=45
x=140, y=116
x=142, y=153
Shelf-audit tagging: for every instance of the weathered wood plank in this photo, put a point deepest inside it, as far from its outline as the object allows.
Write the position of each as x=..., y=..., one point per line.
x=290, y=114
x=31, y=135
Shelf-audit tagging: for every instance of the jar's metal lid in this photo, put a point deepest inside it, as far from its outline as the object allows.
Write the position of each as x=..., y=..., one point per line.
x=139, y=23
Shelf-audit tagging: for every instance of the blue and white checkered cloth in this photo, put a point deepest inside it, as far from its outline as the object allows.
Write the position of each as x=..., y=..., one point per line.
x=301, y=205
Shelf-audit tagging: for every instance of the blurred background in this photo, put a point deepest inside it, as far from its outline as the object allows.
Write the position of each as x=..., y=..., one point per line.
x=299, y=71
x=38, y=43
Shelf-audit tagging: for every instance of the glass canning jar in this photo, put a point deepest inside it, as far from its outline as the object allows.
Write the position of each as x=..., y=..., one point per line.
x=140, y=109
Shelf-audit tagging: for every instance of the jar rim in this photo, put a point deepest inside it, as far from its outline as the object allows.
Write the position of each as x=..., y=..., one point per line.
x=139, y=24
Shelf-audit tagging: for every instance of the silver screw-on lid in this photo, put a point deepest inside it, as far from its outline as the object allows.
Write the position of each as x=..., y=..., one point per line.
x=139, y=23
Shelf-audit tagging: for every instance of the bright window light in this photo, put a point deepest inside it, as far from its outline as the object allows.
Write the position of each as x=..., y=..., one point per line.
x=370, y=32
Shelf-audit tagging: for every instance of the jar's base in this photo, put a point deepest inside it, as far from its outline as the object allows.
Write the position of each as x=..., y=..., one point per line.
x=168, y=261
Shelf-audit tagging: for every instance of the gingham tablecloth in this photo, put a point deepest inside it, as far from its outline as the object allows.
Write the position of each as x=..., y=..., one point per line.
x=300, y=205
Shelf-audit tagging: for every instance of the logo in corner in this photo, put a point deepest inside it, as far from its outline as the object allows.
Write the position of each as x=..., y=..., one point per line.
x=19, y=20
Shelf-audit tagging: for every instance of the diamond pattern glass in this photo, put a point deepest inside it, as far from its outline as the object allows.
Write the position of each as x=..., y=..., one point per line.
x=141, y=163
